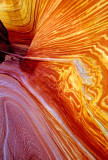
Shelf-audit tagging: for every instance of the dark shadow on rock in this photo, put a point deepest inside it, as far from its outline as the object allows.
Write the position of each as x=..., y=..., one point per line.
x=5, y=44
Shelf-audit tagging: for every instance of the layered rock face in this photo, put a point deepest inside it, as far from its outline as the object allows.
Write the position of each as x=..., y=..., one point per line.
x=53, y=80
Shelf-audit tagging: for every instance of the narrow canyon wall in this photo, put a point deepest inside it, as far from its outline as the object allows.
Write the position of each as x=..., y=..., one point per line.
x=53, y=80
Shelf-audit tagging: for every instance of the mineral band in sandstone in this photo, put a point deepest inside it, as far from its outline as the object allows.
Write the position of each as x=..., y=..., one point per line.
x=53, y=80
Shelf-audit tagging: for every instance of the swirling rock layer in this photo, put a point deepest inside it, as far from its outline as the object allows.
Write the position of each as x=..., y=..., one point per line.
x=54, y=100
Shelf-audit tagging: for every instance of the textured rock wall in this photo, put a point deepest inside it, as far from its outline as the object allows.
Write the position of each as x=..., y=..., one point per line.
x=54, y=81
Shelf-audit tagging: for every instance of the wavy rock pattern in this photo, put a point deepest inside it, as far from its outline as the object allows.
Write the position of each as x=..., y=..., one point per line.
x=54, y=100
